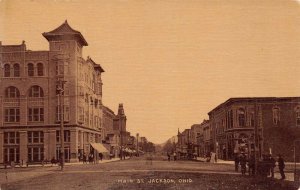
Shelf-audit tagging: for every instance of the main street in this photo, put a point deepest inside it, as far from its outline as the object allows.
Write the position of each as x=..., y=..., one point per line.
x=136, y=173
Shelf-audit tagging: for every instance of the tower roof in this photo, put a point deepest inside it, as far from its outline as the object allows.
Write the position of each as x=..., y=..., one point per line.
x=65, y=32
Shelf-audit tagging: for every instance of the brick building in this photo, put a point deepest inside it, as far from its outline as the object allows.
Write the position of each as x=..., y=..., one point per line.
x=30, y=114
x=277, y=120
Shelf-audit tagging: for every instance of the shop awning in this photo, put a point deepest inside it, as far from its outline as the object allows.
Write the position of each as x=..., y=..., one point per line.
x=99, y=147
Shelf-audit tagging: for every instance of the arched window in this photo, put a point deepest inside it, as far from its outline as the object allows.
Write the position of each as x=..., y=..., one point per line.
x=36, y=91
x=6, y=70
x=30, y=69
x=241, y=117
x=276, y=115
x=16, y=70
x=12, y=92
x=40, y=69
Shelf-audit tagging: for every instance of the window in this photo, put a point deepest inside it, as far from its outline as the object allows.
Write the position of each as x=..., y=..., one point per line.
x=35, y=137
x=16, y=70
x=36, y=91
x=252, y=119
x=298, y=116
x=40, y=69
x=35, y=114
x=65, y=115
x=12, y=115
x=6, y=70
x=30, y=69
x=11, y=154
x=11, y=138
x=276, y=115
x=35, y=154
x=67, y=136
x=12, y=92
x=241, y=117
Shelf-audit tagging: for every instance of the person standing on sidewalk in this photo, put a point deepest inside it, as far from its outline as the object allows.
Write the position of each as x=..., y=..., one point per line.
x=272, y=163
x=243, y=162
x=236, y=162
x=281, y=166
x=168, y=156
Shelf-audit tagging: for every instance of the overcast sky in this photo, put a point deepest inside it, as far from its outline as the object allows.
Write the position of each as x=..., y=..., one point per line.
x=171, y=62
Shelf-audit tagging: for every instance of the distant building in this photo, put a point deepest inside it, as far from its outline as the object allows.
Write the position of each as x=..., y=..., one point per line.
x=232, y=125
x=29, y=104
x=195, y=133
x=114, y=127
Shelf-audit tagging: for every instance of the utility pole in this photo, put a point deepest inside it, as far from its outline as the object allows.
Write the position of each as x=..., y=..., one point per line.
x=121, y=136
x=60, y=89
x=255, y=136
x=137, y=144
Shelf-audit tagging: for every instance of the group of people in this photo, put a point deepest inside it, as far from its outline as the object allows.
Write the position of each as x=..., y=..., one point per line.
x=265, y=166
x=174, y=156
x=88, y=158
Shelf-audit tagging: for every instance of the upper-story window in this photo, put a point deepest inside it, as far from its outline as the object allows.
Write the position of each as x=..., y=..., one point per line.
x=16, y=70
x=298, y=116
x=276, y=115
x=36, y=91
x=12, y=92
x=241, y=117
x=40, y=69
x=6, y=70
x=30, y=69
x=251, y=119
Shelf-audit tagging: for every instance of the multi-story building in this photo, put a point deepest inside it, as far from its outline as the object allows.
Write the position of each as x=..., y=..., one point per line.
x=195, y=132
x=233, y=126
x=30, y=107
x=207, y=140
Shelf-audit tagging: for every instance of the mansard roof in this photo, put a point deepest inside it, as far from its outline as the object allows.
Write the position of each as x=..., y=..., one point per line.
x=65, y=31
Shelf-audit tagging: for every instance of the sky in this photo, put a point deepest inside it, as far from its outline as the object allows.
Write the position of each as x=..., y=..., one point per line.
x=170, y=62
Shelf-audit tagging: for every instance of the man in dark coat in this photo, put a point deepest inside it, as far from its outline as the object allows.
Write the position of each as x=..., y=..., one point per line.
x=243, y=162
x=281, y=166
x=236, y=162
x=272, y=163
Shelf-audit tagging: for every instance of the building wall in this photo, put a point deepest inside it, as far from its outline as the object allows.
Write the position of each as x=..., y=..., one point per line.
x=82, y=101
x=238, y=135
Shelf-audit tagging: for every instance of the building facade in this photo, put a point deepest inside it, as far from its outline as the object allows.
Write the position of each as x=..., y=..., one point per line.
x=277, y=122
x=30, y=107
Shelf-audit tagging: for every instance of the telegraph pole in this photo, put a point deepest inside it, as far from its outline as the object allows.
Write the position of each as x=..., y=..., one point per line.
x=121, y=135
x=255, y=136
x=60, y=89
x=137, y=144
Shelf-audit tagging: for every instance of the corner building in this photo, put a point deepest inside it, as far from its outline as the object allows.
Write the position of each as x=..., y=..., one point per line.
x=30, y=112
x=233, y=124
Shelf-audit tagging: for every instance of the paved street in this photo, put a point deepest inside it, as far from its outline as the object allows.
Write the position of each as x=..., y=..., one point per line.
x=135, y=173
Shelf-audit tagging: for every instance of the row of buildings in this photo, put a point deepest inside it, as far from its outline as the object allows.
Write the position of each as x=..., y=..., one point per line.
x=41, y=89
x=235, y=125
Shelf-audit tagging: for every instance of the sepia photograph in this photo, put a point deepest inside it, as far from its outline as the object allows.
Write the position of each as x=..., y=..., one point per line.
x=149, y=94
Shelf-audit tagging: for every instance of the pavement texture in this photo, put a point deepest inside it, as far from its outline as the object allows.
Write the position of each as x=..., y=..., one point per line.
x=137, y=173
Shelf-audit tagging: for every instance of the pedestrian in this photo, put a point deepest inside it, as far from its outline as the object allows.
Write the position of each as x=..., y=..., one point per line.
x=175, y=156
x=281, y=166
x=243, y=162
x=169, y=156
x=251, y=165
x=100, y=156
x=236, y=162
x=84, y=158
x=272, y=164
x=53, y=161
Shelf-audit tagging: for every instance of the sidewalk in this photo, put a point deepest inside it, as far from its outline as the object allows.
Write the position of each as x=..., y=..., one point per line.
x=66, y=164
